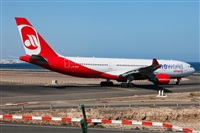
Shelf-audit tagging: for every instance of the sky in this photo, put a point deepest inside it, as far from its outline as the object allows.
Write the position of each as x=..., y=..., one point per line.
x=143, y=29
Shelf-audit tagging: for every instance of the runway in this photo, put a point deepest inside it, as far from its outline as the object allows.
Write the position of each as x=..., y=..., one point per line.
x=29, y=92
x=23, y=128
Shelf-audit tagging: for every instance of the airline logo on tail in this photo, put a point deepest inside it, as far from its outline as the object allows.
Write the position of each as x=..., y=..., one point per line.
x=30, y=39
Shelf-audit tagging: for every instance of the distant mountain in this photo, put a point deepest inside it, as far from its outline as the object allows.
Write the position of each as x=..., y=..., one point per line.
x=10, y=61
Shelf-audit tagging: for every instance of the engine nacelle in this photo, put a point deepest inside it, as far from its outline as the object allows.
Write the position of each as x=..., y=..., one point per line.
x=162, y=79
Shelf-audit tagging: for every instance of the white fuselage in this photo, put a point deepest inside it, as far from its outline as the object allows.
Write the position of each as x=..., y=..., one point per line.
x=117, y=66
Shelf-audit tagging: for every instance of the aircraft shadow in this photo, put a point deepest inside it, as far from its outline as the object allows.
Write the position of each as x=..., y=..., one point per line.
x=147, y=87
x=187, y=84
x=71, y=86
x=154, y=87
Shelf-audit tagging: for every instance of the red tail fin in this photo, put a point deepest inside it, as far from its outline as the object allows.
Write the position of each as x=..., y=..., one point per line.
x=33, y=43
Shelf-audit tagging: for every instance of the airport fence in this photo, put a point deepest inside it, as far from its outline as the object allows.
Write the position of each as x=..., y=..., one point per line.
x=96, y=121
x=32, y=106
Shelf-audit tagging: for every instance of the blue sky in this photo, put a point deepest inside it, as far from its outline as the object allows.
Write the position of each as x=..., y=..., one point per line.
x=123, y=29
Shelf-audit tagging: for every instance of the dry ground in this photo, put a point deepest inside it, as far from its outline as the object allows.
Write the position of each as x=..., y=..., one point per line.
x=180, y=116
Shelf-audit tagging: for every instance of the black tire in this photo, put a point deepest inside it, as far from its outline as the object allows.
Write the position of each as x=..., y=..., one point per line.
x=131, y=85
x=105, y=83
x=109, y=83
x=124, y=85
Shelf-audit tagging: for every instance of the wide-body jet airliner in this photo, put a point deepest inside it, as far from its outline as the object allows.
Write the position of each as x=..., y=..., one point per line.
x=159, y=72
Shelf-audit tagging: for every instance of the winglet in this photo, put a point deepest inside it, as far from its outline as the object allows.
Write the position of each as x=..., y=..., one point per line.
x=156, y=64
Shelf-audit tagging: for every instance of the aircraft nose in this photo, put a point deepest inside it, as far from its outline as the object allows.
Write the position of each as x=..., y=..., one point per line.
x=192, y=70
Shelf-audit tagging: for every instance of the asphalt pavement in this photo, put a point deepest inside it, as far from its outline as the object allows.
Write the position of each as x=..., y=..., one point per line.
x=28, y=93
x=24, y=128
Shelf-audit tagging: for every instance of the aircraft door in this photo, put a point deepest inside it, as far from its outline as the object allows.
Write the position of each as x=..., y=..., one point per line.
x=66, y=63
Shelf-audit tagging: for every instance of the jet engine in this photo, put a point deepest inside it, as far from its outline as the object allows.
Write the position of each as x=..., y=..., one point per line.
x=160, y=79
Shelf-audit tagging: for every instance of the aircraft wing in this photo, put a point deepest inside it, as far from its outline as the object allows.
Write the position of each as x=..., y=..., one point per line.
x=143, y=71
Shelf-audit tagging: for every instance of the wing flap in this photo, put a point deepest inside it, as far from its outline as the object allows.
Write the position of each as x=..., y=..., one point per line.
x=144, y=71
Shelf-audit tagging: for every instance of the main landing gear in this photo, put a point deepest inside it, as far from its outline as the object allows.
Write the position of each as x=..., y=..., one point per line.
x=178, y=82
x=106, y=83
x=128, y=83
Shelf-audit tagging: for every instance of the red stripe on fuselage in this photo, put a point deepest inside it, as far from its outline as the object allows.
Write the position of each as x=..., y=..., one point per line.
x=68, y=67
x=58, y=64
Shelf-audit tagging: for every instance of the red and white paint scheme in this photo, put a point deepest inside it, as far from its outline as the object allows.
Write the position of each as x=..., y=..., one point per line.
x=102, y=121
x=38, y=52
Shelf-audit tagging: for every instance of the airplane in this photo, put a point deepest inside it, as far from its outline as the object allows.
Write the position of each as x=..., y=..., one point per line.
x=38, y=52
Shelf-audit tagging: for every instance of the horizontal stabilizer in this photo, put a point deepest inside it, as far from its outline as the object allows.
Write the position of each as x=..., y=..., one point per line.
x=37, y=59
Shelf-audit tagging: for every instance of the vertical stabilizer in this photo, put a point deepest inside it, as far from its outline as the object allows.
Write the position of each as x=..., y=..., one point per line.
x=33, y=43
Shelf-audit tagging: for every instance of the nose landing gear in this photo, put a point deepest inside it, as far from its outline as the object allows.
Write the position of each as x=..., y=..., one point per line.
x=178, y=82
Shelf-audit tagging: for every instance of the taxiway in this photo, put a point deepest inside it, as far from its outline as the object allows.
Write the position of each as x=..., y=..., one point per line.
x=18, y=92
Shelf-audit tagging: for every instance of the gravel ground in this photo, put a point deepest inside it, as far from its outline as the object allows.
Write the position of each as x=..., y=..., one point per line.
x=180, y=116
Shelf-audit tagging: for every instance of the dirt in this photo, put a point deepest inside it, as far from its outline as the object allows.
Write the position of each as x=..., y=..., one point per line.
x=188, y=117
